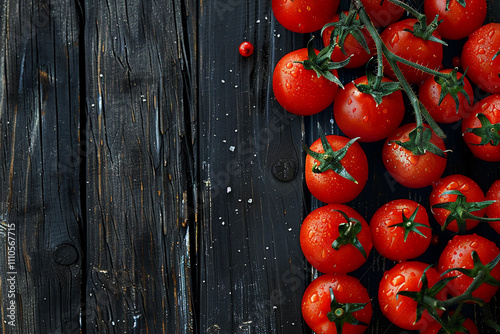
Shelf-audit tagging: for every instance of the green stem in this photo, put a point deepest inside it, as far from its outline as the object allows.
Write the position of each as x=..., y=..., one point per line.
x=408, y=8
x=467, y=295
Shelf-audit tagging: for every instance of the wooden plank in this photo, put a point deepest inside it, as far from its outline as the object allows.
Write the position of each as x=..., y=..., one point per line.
x=251, y=271
x=139, y=166
x=39, y=171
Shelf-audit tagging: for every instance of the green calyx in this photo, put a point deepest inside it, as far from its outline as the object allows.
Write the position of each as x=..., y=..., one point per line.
x=489, y=133
x=423, y=30
x=426, y=297
x=419, y=142
x=377, y=88
x=348, y=234
x=460, y=210
x=347, y=25
x=410, y=225
x=461, y=2
x=452, y=86
x=330, y=159
x=342, y=313
x=453, y=324
x=321, y=63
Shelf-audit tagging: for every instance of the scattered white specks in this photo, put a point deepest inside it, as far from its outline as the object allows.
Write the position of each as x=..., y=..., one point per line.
x=258, y=21
x=250, y=200
x=228, y=190
x=223, y=81
x=290, y=229
x=231, y=148
x=278, y=35
x=275, y=307
x=235, y=86
x=332, y=121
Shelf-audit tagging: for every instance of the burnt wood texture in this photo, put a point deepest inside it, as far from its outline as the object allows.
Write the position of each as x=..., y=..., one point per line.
x=151, y=183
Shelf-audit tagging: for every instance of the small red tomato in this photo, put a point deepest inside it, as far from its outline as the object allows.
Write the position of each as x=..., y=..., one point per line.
x=246, y=49
x=493, y=210
x=465, y=185
x=349, y=299
x=402, y=310
x=458, y=254
x=330, y=242
x=401, y=230
x=446, y=112
x=358, y=115
x=304, y=16
x=481, y=129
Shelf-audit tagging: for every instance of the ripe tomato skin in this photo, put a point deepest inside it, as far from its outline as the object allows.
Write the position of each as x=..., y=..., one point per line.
x=389, y=241
x=320, y=229
x=316, y=303
x=493, y=210
x=468, y=187
x=358, y=115
x=410, y=47
x=458, y=254
x=489, y=106
x=477, y=55
x=351, y=46
x=329, y=187
x=304, y=16
x=446, y=112
x=408, y=169
x=298, y=90
x=382, y=14
x=435, y=327
x=402, y=310
x=457, y=22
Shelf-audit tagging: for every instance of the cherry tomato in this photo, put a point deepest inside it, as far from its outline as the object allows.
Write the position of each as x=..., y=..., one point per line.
x=359, y=56
x=246, y=49
x=316, y=303
x=457, y=22
x=405, y=45
x=485, y=142
x=410, y=238
x=301, y=91
x=329, y=186
x=408, y=169
x=458, y=254
x=468, y=187
x=358, y=115
x=304, y=16
x=402, y=310
x=477, y=57
x=493, y=210
x=446, y=112
x=382, y=13
x=327, y=224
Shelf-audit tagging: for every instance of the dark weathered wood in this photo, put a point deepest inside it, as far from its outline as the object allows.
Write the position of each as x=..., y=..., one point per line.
x=39, y=170
x=139, y=167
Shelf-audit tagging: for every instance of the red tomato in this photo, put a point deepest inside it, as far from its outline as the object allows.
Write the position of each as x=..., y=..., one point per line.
x=457, y=22
x=322, y=227
x=402, y=310
x=405, y=45
x=458, y=254
x=408, y=169
x=493, y=210
x=246, y=49
x=382, y=13
x=316, y=303
x=358, y=115
x=400, y=243
x=477, y=55
x=446, y=112
x=359, y=56
x=301, y=91
x=304, y=16
x=490, y=136
x=467, y=323
x=468, y=187
x=330, y=187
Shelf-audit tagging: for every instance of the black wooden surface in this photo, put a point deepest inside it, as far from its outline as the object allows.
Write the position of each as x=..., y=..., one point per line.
x=149, y=179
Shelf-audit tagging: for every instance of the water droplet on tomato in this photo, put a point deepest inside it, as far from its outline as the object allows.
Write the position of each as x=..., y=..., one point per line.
x=394, y=39
x=474, y=244
x=288, y=86
x=385, y=111
x=413, y=159
x=389, y=293
x=353, y=110
x=491, y=33
x=323, y=253
x=340, y=288
x=314, y=298
x=465, y=187
x=294, y=74
x=452, y=186
x=321, y=314
x=398, y=280
x=481, y=51
x=481, y=41
x=289, y=64
x=349, y=102
x=365, y=118
x=308, y=8
x=311, y=234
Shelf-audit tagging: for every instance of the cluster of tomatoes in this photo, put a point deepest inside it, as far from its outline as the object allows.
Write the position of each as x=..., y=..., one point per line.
x=335, y=239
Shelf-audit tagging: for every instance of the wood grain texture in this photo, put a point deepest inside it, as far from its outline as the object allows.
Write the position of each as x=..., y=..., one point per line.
x=39, y=170
x=139, y=167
